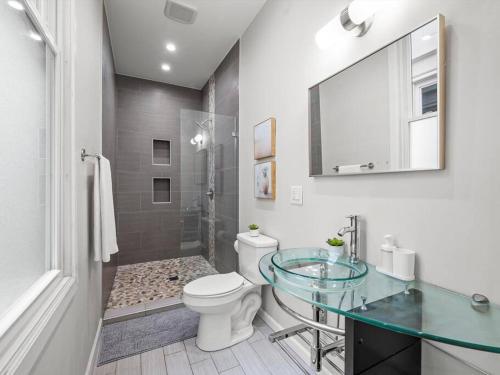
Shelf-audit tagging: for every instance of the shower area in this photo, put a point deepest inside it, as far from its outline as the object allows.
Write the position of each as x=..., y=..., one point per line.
x=175, y=176
x=209, y=180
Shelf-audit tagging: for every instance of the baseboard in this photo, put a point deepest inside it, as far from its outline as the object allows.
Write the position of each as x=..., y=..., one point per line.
x=296, y=344
x=94, y=352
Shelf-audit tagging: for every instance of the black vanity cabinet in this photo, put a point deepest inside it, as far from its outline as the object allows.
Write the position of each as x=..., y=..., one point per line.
x=370, y=350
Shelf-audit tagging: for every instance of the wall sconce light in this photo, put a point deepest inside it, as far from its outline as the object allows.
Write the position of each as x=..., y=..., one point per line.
x=356, y=18
x=198, y=139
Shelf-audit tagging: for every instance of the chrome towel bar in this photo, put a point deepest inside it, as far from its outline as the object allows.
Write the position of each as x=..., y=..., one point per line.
x=83, y=155
x=369, y=166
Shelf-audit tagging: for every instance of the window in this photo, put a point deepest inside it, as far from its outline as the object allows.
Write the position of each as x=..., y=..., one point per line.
x=26, y=154
x=36, y=267
x=429, y=98
x=425, y=96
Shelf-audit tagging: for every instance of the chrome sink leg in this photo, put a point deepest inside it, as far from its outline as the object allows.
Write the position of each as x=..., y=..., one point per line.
x=319, y=315
x=316, y=325
x=316, y=343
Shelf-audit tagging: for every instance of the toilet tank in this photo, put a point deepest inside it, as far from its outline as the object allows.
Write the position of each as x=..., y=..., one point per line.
x=250, y=250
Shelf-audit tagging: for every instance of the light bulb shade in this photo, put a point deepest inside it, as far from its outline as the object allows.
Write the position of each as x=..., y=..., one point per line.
x=325, y=37
x=193, y=142
x=198, y=138
x=356, y=18
x=15, y=4
x=361, y=10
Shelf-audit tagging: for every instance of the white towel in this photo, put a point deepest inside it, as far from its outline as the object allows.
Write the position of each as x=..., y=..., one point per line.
x=353, y=168
x=104, y=213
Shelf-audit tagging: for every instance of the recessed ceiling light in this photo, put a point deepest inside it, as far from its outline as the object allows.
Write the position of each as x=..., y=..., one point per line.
x=171, y=47
x=35, y=36
x=427, y=37
x=15, y=4
x=165, y=67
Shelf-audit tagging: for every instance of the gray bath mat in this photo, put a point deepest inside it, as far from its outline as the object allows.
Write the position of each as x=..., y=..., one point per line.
x=124, y=339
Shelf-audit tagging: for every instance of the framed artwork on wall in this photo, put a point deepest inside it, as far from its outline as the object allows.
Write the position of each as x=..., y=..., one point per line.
x=264, y=139
x=265, y=180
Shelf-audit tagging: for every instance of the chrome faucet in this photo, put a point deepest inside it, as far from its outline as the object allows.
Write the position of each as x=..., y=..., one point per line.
x=353, y=229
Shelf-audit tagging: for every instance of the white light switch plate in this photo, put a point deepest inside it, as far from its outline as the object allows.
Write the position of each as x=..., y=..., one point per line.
x=296, y=195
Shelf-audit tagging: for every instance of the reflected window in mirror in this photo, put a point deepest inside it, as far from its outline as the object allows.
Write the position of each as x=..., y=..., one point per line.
x=429, y=98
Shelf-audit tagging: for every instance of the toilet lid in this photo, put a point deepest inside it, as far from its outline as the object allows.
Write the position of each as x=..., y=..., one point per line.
x=214, y=285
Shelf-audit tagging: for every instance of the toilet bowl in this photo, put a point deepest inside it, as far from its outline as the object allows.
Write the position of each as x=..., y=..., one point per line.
x=227, y=303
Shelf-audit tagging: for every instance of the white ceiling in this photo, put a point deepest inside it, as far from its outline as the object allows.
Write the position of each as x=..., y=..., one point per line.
x=139, y=32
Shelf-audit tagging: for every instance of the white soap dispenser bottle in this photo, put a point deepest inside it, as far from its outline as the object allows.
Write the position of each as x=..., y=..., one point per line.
x=386, y=254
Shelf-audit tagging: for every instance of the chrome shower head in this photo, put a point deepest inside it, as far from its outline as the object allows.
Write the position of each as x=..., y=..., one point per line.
x=200, y=125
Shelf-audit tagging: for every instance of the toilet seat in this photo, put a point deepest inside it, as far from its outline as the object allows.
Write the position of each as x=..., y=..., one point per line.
x=215, y=285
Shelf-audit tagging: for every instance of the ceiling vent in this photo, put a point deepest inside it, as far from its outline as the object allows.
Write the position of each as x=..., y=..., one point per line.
x=180, y=12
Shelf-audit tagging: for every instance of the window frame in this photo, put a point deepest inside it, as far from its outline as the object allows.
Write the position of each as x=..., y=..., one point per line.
x=419, y=83
x=28, y=323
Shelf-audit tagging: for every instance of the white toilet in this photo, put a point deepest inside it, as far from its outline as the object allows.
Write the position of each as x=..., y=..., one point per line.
x=227, y=303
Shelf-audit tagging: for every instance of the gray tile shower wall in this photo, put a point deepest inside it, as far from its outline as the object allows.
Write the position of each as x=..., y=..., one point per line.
x=108, y=142
x=147, y=110
x=226, y=161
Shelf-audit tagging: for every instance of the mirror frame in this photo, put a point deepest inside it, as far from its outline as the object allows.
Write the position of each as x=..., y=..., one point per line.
x=441, y=98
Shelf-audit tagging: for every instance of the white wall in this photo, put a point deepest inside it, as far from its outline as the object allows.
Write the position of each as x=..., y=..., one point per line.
x=449, y=217
x=68, y=350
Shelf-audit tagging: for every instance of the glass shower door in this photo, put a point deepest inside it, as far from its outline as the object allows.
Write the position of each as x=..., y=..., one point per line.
x=226, y=192
x=209, y=187
x=194, y=179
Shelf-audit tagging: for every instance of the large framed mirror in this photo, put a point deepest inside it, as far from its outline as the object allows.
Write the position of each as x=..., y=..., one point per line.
x=384, y=113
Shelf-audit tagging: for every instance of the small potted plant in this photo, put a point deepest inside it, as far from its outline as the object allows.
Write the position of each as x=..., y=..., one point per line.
x=254, y=230
x=336, y=245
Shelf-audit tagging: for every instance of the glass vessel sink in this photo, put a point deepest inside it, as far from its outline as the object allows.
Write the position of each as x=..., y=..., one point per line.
x=318, y=269
x=414, y=308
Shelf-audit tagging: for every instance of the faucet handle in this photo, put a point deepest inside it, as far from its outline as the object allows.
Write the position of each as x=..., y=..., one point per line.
x=354, y=218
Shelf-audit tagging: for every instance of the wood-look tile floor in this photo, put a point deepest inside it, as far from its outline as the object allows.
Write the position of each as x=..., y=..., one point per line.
x=255, y=356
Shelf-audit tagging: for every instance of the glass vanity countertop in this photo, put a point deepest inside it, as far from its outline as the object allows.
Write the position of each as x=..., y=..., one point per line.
x=425, y=310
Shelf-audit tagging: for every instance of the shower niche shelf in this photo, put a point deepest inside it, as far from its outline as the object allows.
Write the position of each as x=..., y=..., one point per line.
x=161, y=190
x=161, y=152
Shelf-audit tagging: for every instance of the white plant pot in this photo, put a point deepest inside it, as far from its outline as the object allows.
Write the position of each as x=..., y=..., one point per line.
x=254, y=233
x=336, y=250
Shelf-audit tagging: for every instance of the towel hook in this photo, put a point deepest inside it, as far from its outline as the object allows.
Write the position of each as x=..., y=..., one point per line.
x=83, y=155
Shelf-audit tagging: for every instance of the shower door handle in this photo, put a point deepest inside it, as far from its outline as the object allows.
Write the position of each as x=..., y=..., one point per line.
x=210, y=194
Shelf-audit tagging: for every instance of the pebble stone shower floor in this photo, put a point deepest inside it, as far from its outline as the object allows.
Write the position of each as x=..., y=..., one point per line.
x=140, y=283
